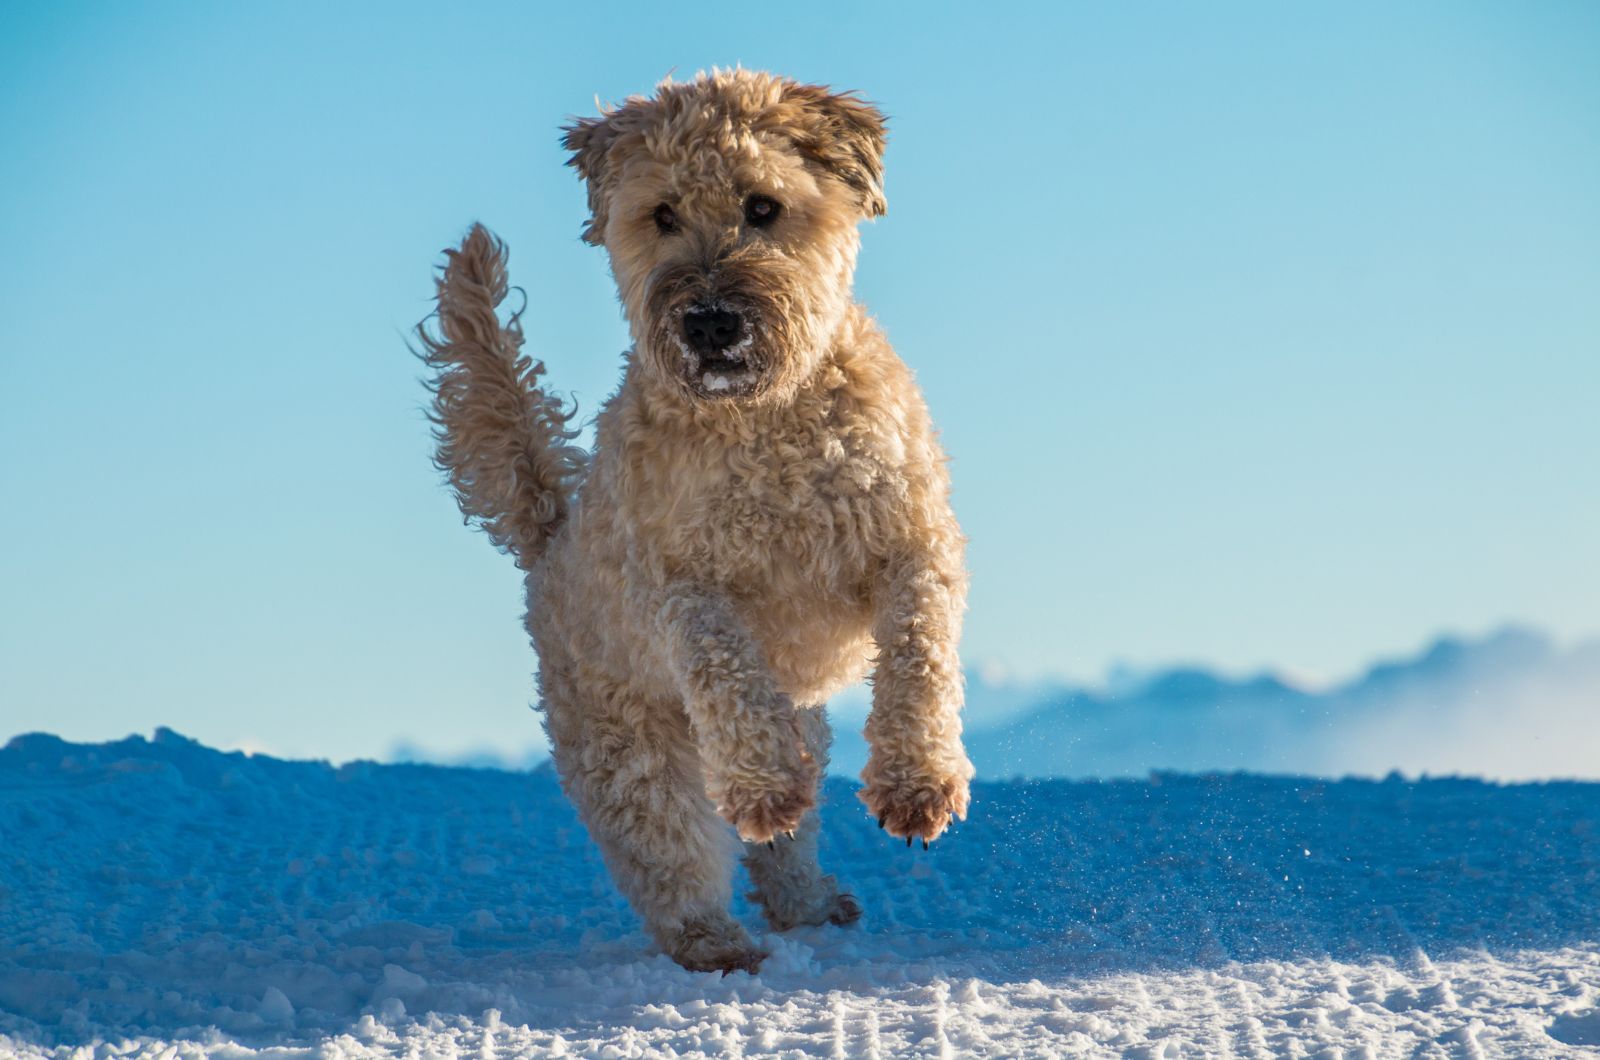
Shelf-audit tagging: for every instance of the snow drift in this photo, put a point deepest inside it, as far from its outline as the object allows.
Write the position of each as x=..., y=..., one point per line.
x=159, y=894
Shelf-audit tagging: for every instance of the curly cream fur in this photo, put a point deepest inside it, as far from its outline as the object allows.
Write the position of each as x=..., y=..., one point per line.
x=501, y=440
x=729, y=556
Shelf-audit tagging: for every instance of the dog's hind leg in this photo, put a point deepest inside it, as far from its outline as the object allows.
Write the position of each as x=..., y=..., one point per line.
x=632, y=770
x=790, y=885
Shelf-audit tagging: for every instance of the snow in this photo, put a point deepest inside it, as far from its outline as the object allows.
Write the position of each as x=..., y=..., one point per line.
x=738, y=351
x=159, y=898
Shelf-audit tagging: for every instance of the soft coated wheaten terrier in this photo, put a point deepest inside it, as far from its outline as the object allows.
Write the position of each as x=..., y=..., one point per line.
x=765, y=513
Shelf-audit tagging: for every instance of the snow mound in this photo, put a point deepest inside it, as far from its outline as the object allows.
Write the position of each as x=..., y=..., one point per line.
x=161, y=898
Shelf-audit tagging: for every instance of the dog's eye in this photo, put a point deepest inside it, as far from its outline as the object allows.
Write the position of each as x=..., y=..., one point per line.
x=666, y=218
x=760, y=211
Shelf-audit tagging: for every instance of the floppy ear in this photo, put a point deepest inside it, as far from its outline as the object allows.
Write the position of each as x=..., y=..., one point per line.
x=845, y=134
x=589, y=140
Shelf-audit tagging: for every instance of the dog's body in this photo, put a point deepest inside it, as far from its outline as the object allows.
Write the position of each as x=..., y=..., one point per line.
x=765, y=505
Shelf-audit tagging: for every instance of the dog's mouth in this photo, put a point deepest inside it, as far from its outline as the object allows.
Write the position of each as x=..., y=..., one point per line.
x=729, y=372
x=725, y=363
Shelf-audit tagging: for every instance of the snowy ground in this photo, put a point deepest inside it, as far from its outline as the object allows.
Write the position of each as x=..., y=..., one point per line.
x=160, y=895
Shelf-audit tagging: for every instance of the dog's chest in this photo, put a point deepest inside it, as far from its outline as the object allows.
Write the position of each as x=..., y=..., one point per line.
x=800, y=521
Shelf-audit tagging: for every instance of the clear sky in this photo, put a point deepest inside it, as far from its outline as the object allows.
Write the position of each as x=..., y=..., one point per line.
x=1259, y=334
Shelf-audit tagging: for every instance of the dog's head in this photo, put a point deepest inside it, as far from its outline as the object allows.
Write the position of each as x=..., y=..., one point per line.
x=729, y=205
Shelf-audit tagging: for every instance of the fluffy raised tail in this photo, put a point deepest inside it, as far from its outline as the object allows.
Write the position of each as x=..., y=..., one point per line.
x=503, y=442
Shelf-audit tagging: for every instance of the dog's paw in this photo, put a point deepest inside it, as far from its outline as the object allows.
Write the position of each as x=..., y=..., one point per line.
x=921, y=807
x=846, y=909
x=761, y=811
x=714, y=945
x=790, y=902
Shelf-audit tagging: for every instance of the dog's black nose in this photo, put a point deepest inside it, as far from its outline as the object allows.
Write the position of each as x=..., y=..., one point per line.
x=711, y=330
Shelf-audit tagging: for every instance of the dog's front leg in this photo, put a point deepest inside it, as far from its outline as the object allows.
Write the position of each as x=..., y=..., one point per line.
x=758, y=772
x=917, y=772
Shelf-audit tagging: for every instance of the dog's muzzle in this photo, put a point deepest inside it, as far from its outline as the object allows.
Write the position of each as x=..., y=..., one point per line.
x=717, y=342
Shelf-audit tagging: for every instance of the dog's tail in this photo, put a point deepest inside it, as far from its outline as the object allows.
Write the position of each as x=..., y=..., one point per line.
x=504, y=443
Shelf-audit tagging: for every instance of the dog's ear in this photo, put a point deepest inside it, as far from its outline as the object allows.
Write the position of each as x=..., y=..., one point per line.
x=589, y=140
x=846, y=135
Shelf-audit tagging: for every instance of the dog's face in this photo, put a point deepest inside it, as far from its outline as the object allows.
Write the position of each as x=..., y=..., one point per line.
x=729, y=207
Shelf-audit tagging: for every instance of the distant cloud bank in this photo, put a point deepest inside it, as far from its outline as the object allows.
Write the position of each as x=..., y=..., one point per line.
x=1510, y=706
x=1513, y=705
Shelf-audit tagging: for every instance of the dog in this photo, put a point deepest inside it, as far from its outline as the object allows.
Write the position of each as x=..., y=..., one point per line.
x=763, y=518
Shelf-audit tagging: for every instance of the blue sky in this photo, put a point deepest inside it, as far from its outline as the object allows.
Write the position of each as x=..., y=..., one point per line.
x=1259, y=334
